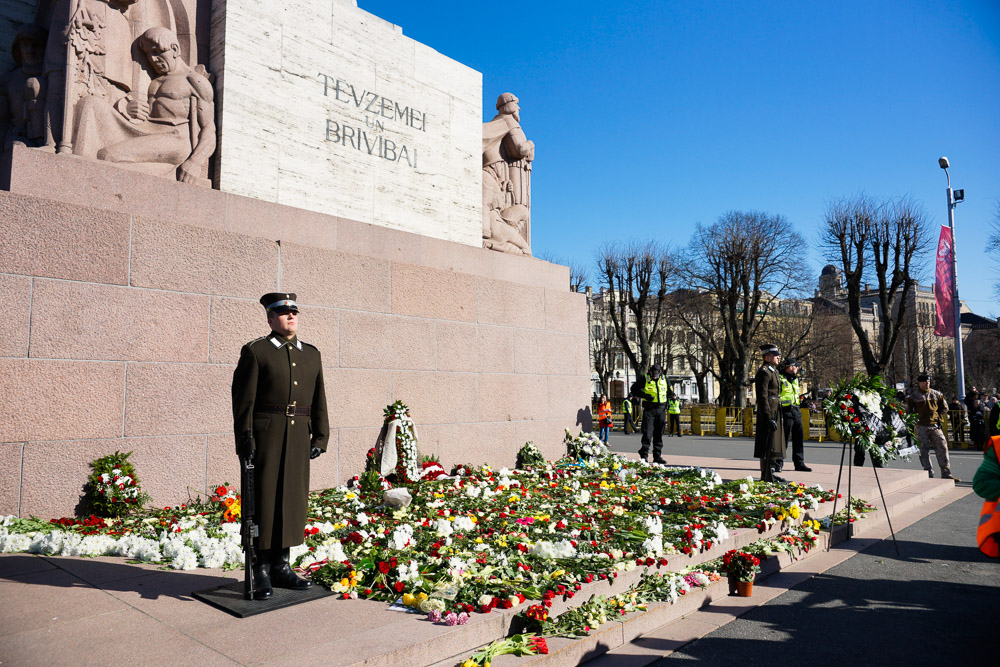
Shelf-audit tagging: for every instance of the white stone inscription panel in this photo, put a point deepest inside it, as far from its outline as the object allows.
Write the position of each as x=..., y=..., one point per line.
x=329, y=108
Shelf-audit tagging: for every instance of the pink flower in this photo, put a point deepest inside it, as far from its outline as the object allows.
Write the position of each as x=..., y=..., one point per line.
x=463, y=618
x=434, y=616
x=451, y=618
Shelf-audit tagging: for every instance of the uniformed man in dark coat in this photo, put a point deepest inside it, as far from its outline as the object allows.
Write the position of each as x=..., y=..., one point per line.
x=769, y=440
x=279, y=397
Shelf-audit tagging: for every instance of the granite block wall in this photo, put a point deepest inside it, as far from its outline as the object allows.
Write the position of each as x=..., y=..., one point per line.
x=123, y=322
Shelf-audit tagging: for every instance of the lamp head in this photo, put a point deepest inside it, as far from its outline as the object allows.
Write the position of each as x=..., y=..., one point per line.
x=943, y=162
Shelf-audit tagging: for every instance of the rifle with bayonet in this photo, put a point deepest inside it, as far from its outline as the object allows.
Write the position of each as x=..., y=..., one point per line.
x=249, y=529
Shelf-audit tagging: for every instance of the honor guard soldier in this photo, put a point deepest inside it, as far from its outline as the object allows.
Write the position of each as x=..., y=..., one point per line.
x=769, y=437
x=791, y=413
x=279, y=398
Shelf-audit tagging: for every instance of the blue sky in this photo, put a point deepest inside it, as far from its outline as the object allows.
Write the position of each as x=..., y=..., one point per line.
x=649, y=117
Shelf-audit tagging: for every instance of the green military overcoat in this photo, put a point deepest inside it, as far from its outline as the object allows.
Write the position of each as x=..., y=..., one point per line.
x=767, y=387
x=273, y=371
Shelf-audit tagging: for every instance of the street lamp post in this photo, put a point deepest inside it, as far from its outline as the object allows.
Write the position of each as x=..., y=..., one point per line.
x=952, y=202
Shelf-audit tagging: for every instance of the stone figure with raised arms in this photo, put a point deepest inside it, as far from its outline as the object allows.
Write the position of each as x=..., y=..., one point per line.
x=507, y=158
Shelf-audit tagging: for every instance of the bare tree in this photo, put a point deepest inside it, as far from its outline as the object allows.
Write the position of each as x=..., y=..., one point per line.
x=746, y=261
x=690, y=310
x=578, y=274
x=636, y=275
x=982, y=359
x=881, y=243
x=789, y=325
x=993, y=246
x=832, y=356
x=603, y=349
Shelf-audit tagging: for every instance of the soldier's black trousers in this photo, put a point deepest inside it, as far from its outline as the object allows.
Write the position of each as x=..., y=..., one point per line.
x=653, y=420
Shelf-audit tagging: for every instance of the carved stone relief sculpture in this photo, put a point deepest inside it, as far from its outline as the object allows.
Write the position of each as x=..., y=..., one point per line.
x=507, y=157
x=117, y=87
x=23, y=91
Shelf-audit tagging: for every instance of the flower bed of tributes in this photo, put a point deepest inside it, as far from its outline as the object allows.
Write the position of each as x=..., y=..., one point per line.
x=476, y=540
x=480, y=539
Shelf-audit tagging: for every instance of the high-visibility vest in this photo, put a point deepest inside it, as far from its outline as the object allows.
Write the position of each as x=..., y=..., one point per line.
x=989, y=519
x=656, y=390
x=627, y=406
x=604, y=414
x=789, y=391
x=674, y=406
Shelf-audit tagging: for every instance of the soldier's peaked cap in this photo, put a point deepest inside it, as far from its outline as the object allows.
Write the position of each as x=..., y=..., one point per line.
x=279, y=302
x=769, y=348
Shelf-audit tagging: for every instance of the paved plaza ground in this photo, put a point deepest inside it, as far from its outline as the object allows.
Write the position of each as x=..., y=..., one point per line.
x=933, y=606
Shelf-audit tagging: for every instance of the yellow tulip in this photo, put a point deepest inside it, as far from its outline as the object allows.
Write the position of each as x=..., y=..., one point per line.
x=421, y=597
x=408, y=599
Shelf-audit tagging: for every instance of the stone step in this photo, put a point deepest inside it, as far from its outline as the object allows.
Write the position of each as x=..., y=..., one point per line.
x=663, y=640
x=633, y=639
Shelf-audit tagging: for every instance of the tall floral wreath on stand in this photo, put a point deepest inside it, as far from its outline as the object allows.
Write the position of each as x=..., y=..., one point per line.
x=396, y=448
x=865, y=411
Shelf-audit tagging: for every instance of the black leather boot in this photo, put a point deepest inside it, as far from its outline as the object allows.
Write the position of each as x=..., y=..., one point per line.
x=283, y=576
x=262, y=577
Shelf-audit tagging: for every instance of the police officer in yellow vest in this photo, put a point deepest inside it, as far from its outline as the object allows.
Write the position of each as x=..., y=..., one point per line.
x=673, y=414
x=791, y=413
x=628, y=421
x=653, y=390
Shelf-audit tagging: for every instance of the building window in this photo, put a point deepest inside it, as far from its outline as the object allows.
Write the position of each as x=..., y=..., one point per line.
x=631, y=334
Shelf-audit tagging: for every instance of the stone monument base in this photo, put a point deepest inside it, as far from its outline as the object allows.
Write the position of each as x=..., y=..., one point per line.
x=129, y=296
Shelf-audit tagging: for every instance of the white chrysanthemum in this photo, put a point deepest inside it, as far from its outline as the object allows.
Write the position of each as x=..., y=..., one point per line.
x=408, y=571
x=402, y=537
x=653, y=525
x=186, y=559
x=653, y=546
x=443, y=528
x=362, y=519
x=584, y=497
x=14, y=542
x=547, y=549
x=721, y=532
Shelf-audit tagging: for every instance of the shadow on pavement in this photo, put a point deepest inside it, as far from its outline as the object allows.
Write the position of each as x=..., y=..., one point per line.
x=149, y=582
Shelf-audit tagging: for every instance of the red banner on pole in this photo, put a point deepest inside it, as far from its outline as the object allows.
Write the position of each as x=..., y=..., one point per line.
x=945, y=325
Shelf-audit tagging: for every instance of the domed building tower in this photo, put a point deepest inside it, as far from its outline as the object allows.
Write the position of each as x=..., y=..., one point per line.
x=831, y=283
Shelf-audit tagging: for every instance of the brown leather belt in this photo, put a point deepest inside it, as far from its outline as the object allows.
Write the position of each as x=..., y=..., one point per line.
x=287, y=410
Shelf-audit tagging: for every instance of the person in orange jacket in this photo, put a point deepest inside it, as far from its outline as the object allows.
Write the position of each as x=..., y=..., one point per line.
x=604, y=418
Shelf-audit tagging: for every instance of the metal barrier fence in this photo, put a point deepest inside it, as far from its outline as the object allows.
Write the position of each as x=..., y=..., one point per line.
x=706, y=419
x=713, y=420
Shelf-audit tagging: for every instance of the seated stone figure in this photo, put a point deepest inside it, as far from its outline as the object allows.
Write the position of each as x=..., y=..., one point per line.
x=22, y=91
x=507, y=158
x=172, y=131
